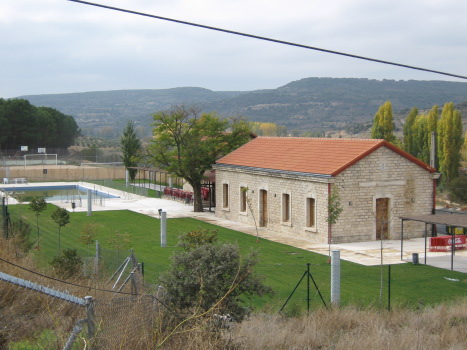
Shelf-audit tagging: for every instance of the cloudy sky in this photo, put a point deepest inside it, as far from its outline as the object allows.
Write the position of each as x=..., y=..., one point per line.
x=59, y=46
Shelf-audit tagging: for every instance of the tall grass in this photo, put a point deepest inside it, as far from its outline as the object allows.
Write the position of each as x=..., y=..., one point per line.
x=432, y=328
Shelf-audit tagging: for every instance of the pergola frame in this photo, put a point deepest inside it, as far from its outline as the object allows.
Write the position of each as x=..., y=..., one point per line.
x=453, y=219
x=209, y=182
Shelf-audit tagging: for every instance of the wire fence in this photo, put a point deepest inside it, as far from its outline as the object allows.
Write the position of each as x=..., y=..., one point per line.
x=41, y=312
x=14, y=157
x=127, y=311
x=130, y=319
x=386, y=286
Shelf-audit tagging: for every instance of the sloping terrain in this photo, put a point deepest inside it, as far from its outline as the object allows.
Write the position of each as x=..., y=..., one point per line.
x=306, y=104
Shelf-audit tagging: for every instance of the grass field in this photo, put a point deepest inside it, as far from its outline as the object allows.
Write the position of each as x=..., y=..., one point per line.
x=282, y=265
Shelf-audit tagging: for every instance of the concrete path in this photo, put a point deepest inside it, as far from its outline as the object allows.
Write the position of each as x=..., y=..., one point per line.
x=365, y=253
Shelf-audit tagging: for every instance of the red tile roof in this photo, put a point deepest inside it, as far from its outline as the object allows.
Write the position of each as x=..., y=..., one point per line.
x=325, y=156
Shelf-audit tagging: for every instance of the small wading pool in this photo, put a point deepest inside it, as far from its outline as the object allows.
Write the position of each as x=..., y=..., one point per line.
x=66, y=193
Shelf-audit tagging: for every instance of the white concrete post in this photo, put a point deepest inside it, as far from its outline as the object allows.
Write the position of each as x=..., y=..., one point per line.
x=89, y=203
x=335, y=277
x=163, y=229
x=127, y=177
x=97, y=258
x=170, y=182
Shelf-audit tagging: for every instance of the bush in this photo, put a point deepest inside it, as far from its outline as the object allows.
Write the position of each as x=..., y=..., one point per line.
x=211, y=276
x=457, y=190
x=20, y=232
x=68, y=264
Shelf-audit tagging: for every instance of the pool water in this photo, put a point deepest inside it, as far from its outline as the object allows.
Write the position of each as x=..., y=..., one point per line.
x=69, y=193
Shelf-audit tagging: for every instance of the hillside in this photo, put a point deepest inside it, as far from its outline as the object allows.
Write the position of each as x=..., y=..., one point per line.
x=306, y=104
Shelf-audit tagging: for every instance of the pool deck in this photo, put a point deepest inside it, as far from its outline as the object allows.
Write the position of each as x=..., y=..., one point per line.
x=365, y=253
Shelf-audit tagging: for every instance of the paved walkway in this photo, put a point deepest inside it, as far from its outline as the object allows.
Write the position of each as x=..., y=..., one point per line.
x=365, y=253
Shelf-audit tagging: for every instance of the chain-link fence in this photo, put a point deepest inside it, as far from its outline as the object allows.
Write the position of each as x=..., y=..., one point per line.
x=42, y=312
x=133, y=318
x=10, y=158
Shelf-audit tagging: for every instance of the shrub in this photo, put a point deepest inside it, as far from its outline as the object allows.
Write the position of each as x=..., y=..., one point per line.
x=67, y=264
x=457, y=190
x=211, y=276
x=20, y=232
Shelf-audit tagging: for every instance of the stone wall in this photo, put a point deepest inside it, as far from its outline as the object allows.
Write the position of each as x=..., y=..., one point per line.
x=382, y=174
x=299, y=188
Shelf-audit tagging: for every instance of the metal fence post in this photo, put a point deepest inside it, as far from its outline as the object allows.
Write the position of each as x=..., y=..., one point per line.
x=308, y=288
x=389, y=287
x=134, y=287
x=335, y=277
x=90, y=315
x=163, y=229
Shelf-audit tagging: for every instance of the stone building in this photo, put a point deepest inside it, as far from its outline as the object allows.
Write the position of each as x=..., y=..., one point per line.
x=285, y=184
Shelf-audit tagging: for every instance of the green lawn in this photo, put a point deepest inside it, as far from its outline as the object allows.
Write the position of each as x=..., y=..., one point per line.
x=282, y=265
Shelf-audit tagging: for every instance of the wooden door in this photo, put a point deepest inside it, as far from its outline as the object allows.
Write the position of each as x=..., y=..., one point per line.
x=263, y=194
x=382, y=218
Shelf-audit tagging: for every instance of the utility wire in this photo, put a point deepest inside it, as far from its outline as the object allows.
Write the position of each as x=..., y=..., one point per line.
x=59, y=280
x=81, y=286
x=271, y=40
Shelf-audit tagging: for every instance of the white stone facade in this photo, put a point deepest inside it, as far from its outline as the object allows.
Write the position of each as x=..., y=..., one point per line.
x=381, y=174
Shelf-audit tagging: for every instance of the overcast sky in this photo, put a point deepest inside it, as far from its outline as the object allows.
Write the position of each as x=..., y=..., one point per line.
x=59, y=46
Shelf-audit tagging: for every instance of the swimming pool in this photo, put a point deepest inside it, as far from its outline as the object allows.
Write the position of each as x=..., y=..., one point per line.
x=66, y=193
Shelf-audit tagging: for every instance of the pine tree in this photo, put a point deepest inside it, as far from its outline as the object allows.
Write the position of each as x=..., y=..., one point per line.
x=131, y=149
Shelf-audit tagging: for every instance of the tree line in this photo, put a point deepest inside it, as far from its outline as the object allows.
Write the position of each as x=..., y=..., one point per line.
x=417, y=133
x=23, y=124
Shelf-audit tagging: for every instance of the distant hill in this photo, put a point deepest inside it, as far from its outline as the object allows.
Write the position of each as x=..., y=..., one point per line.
x=306, y=104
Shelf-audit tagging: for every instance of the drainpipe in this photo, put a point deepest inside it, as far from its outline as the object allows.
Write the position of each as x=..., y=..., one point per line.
x=433, y=210
x=329, y=224
x=436, y=176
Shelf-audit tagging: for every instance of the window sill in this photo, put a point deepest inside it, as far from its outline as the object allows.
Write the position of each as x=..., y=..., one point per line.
x=244, y=213
x=310, y=229
x=225, y=209
x=284, y=223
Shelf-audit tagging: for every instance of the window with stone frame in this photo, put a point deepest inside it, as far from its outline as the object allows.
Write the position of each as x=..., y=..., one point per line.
x=243, y=199
x=225, y=196
x=311, y=212
x=286, y=209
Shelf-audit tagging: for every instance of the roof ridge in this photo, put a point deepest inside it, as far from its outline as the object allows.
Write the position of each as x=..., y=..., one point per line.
x=318, y=138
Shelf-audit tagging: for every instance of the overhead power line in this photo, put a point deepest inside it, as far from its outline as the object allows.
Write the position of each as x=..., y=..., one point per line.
x=271, y=40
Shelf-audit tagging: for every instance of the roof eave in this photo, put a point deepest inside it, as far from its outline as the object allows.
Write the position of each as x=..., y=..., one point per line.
x=275, y=171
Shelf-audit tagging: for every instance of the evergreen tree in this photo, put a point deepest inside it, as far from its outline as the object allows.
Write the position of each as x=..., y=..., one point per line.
x=23, y=124
x=131, y=149
x=383, y=123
